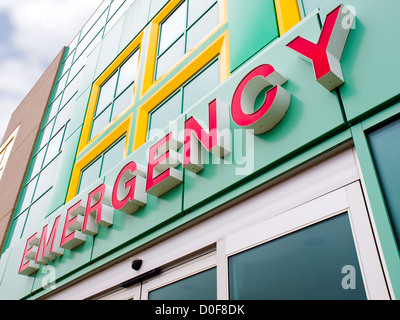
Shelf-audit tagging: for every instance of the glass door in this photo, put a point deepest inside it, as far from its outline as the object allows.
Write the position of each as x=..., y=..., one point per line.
x=321, y=250
x=194, y=280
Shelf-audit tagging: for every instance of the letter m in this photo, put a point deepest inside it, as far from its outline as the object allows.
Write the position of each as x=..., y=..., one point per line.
x=49, y=250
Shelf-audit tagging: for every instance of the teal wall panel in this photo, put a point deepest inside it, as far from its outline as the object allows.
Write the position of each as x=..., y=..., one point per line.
x=251, y=28
x=370, y=59
x=63, y=174
x=311, y=5
x=70, y=262
x=79, y=112
x=89, y=72
x=13, y=285
x=109, y=47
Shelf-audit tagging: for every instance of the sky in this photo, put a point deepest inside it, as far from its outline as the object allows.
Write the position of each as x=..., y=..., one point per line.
x=32, y=33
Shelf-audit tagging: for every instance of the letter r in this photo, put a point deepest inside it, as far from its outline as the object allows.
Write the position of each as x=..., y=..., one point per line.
x=326, y=54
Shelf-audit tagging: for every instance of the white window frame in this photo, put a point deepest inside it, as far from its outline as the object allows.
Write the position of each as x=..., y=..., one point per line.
x=178, y=273
x=347, y=199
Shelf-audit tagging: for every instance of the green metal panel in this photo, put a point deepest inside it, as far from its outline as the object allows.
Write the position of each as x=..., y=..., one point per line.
x=135, y=20
x=63, y=174
x=13, y=285
x=252, y=25
x=307, y=121
x=109, y=47
x=370, y=59
x=78, y=113
x=88, y=76
x=3, y=264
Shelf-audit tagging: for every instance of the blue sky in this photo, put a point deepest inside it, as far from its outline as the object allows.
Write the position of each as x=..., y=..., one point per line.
x=32, y=33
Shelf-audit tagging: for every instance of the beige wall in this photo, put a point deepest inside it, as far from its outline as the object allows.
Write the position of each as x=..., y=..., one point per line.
x=29, y=116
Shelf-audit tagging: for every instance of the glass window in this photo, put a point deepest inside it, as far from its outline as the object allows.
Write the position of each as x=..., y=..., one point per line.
x=107, y=93
x=127, y=73
x=186, y=96
x=101, y=165
x=170, y=57
x=36, y=213
x=54, y=107
x=46, y=133
x=54, y=147
x=168, y=111
x=201, y=85
x=101, y=121
x=19, y=224
x=63, y=116
x=120, y=104
x=173, y=27
x=197, y=9
x=90, y=174
x=202, y=27
x=186, y=26
x=384, y=144
x=116, y=94
x=201, y=286
x=304, y=265
x=38, y=161
x=113, y=156
x=46, y=179
x=28, y=194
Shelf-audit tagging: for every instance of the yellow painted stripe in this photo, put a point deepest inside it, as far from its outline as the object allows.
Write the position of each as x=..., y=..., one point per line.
x=288, y=14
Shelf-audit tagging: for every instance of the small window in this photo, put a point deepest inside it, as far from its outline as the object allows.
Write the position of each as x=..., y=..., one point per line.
x=384, y=143
x=168, y=111
x=184, y=98
x=115, y=94
x=186, y=26
x=101, y=165
x=201, y=286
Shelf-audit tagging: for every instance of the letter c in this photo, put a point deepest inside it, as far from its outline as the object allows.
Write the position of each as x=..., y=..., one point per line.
x=274, y=107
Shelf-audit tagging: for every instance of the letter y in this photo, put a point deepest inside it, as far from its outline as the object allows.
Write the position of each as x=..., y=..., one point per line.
x=326, y=54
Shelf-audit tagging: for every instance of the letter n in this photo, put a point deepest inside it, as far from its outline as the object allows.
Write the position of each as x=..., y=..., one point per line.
x=217, y=140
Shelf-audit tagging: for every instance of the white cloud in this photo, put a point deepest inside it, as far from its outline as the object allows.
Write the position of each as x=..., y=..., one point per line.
x=40, y=28
x=44, y=26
